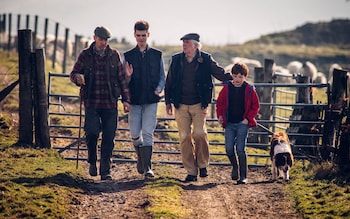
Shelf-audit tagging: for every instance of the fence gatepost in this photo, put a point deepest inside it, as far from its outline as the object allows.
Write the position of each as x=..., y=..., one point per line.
x=42, y=136
x=334, y=114
x=258, y=78
x=265, y=93
x=304, y=93
x=25, y=87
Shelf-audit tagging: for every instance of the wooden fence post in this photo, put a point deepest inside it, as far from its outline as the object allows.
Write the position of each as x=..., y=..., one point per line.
x=334, y=114
x=46, y=27
x=55, y=46
x=42, y=136
x=18, y=22
x=35, y=35
x=65, y=50
x=4, y=19
x=9, y=34
x=265, y=96
x=303, y=94
x=25, y=87
x=258, y=78
x=27, y=21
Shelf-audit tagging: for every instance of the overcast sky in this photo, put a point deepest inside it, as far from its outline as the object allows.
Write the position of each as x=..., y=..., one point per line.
x=218, y=22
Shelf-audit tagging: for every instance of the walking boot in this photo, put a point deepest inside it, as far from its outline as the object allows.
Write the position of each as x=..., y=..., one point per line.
x=105, y=168
x=146, y=156
x=233, y=161
x=92, y=169
x=242, y=169
x=139, y=164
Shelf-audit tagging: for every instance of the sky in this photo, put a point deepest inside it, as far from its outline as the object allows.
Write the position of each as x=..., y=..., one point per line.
x=218, y=22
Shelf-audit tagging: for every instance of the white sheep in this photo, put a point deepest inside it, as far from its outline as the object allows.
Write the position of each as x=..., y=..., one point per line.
x=309, y=70
x=320, y=78
x=282, y=75
x=294, y=67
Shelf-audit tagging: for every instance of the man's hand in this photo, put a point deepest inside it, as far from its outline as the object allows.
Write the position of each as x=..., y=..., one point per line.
x=169, y=109
x=80, y=79
x=220, y=120
x=128, y=69
x=126, y=107
x=205, y=111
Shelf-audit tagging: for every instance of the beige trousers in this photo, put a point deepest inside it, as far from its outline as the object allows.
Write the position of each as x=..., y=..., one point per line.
x=193, y=137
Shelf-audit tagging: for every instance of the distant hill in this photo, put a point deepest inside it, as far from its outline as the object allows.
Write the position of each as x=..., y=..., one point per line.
x=335, y=32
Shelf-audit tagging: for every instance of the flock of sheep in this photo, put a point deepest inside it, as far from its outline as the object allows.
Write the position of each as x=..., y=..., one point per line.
x=285, y=74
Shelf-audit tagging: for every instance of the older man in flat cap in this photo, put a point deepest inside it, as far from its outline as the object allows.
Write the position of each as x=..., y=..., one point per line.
x=99, y=73
x=189, y=88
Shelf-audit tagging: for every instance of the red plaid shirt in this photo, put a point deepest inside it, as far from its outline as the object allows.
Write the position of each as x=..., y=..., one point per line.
x=99, y=87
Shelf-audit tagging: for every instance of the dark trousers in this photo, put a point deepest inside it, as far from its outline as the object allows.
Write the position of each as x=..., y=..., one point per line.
x=96, y=121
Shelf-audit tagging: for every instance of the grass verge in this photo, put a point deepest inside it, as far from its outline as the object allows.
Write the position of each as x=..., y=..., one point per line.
x=36, y=183
x=320, y=190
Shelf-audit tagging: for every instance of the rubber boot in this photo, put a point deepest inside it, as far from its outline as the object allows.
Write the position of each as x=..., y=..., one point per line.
x=139, y=165
x=234, y=173
x=146, y=156
x=242, y=169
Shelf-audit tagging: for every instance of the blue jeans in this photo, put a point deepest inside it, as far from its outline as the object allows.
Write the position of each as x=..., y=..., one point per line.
x=142, y=122
x=96, y=121
x=236, y=138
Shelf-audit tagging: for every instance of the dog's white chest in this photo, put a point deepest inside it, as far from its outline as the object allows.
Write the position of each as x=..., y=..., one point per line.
x=282, y=148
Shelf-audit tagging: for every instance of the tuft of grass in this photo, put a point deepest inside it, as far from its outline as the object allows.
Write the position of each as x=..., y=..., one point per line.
x=165, y=193
x=319, y=191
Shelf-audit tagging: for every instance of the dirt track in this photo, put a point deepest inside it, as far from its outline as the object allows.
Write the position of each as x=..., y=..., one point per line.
x=216, y=196
x=213, y=197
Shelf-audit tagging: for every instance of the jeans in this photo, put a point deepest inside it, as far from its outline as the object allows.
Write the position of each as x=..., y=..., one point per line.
x=96, y=121
x=195, y=155
x=236, y=138
x=142, y=122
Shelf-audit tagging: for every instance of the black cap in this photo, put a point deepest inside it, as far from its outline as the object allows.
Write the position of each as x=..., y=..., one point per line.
x=191, y=36
x=102, y=32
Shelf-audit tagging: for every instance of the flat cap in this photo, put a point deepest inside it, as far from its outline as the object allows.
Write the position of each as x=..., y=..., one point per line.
x=102, y=32
x=191, y=36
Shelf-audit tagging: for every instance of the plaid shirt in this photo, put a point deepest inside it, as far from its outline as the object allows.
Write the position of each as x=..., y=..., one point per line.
x=99, y=87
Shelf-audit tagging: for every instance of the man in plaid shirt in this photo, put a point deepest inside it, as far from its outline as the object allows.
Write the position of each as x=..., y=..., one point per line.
x=99, y=72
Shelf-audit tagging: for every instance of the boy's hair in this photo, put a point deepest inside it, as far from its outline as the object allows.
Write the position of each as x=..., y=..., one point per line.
x=240, y=68
x=141, y=25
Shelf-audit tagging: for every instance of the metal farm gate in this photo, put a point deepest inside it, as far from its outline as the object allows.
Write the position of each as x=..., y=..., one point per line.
x=289, y=109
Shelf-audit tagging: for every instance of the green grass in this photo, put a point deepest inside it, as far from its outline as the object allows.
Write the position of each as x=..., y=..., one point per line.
x=165, y=193
x=320, y=191
x=36, y=183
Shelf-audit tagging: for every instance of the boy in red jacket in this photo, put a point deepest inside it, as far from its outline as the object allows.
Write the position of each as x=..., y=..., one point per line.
x=236, y=108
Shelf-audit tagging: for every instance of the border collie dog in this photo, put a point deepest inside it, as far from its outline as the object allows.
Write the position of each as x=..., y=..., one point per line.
x=281, y=155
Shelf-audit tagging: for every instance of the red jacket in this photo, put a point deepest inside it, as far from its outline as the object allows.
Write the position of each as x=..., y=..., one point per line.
x=251, y=104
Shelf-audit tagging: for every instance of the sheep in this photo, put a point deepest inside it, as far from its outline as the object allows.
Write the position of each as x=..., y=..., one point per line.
x=294, y=67
x=309, y=70
x=320, y=78
x=282, y=75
